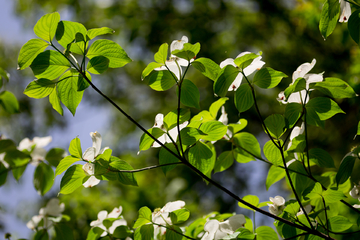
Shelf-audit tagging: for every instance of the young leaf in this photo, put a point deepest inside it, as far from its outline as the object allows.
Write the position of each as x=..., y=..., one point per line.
x=207, y=67
x=214, y=130
x=252, y=199
x=9, y=102
x=50, y=65
x=237, y=127
x=161, y=55
x=276, y=125
x=243, y=98
x=298, y=85
x=272, y=153
x=170, y=120
x=188, y=52
x=45, y=28
x=146, y=142
x=94, y=233
x=329, y=17
x=268, y=78
x=190, y=95
x=72, y=179
x=144, y=217
x=29, y=51
x=225, y=78
x=75, y=148
x=39, y=88
x=43, y=178
x=93, y=33
x=179, y=216
x=201, y=157
x=161, y=80
x=215, y=106
x=111, y=50
x=248, y=142
x=68, y=90
x=245, y=60
x=275, y=174
x=65, y=163
x=266, y=233
x=149, y=68
x=166, y=157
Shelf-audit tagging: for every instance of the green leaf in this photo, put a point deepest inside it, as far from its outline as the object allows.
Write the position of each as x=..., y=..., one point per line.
x=54, y=156
x=190, y=95
x=98, y=64
x=201, y=117
x=335, y=88
x=3, y=174
x=67, y=88
x=339, y=223
x=122, y=232
x=173, y=234
x=93, y=33
x=165, y=157
x=69, y=32
x=72, y=179
x=225, y=78
x=145, y=232
x=298, y=85
x=55, y=101
x=126, y=178
x=201, y=157
x=329, y=17
x=243, y=98
x=170, y=120
x=272, y=153
x=321, y=157
x=353, y=26
x=215, y=106
x=190, y=135
x=207, y=67
x=144, y=217
x=149, y=68
x=237, y=127
x=188, y=52
x=252, y=199
x=179, y=216
x=9, y=102
x=63, y=231
x=333, y=196
x=7, y=145
x=224, y=161
x=111, y=50
x=146, y=142
x=94, y=233
x=39, y=88
x=45, y=28
x=268, y=78
x=29, y=51
x=75, y=148
x=301, y=182
x=320, y=109
x=248, y=142
x=245, y=60
x=161, y=80
x=214, y=130
x=292, y=113
x=65, y=163
x=42, y=234
x=49, y=64
x=245, y=234
x=276, y=125
x=275, y=174
x=18, y=172
x=161, y=55
x=43, y=178
x=345, y=169
x=266, y=233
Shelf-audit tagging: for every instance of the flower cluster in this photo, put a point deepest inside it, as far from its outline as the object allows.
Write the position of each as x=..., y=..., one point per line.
x=277, y=206
x=102, y=215
x=89, y=155
x=51, y=213
x=35, y=147
x=218, y=230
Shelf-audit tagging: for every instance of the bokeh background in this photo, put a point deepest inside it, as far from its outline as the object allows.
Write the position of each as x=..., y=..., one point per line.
x=286, y=31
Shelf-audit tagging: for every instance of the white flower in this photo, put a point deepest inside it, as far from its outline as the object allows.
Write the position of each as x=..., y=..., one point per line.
x=296, y=132
x=102, y=215
x=224, y=119
x=35, y=147
x=256, y=64
x=2, y=156
x=296, y=97
x=218, y=230
x=162, y=216
x=159, y=123
x=307, y=210
x=277, y=206
x=89, y=155
x=52, y=209
x=175, y=63
x=355, y=192
x=345, y=11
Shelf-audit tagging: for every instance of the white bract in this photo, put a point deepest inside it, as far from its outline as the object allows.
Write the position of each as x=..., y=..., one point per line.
x=218, y=230
x=102, y=215
x=165, y=138
x=175, y=63
x=35, y=147
x=355, y=191
x=302, y=72
x=345, y=11
x=256, y=64
x=296, y=132
x=277, y=206
x=224, y=119
x=89, y=155
x=52, y=209
x=162, y=216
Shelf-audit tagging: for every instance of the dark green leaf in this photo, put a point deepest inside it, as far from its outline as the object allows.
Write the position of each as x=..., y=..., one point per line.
x=329, y=17
x=145, y=232
x=43, y=178
x=98, y=64
x=126, y=178
x=321, y=157
x=190, y=95
x=320, y=109
x=225, y=78
x=224, y=161
x=190, y=135
x=165, y=157
x=174, y=234
x=354, y=26
x=243, y=98
x=276, y=125
x=9, y=102
x=345, y=169
x=54, y=156
x=201, y=157
x=292, y=113
x=63, y=231
x=268, y=78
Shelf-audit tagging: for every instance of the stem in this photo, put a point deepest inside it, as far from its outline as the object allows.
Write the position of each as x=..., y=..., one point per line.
x=174, y=231
x=254, y=223
x=326, y=217
x=306, y=140
x=145, y=168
